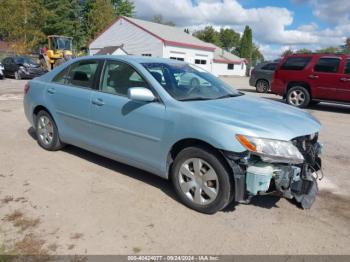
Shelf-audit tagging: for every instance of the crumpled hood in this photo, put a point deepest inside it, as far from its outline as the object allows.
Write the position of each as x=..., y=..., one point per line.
x=259, y=117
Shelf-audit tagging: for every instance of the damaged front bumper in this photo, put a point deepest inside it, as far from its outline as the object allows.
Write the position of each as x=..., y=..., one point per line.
x=254, y=175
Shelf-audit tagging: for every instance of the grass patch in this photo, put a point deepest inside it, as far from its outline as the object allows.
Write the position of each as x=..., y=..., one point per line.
x=19, y=220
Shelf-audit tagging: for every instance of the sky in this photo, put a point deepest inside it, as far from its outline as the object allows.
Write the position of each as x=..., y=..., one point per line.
x=277, y=24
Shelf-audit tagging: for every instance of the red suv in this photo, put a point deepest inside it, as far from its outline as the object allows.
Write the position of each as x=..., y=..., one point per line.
x=304, y=79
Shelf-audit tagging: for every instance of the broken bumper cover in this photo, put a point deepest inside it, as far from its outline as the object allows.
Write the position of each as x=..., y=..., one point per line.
x=254, y=175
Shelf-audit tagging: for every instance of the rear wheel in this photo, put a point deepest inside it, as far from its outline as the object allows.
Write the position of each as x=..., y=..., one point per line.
x=262, y=86
x=47, y=132
x=298, y=96
x=201, y=180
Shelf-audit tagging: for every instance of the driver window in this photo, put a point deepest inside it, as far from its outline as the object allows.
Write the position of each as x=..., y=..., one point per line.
x=119, y=77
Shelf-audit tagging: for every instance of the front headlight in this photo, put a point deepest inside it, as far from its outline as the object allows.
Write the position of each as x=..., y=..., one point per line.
x=271, y=150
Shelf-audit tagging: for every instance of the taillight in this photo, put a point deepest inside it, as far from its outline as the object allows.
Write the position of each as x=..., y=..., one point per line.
x=26, y=88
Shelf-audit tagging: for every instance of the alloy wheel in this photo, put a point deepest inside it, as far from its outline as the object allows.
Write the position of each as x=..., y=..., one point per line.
x=45, y=130
x=198, y=181
x=297, y=97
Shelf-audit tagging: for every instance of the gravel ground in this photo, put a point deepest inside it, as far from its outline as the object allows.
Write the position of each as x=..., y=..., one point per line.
x=75, y=202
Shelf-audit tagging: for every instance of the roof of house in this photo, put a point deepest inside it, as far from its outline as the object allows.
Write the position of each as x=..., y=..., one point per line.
x=222, y=56
x=108, y=50
x=170, y=35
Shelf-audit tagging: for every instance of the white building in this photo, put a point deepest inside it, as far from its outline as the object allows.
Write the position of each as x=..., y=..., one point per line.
x=139, y=37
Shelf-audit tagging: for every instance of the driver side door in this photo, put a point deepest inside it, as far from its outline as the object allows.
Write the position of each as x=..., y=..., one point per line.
x=126, y=130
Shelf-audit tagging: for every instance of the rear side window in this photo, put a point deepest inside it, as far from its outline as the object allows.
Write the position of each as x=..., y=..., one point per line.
x=61, y=77
x=82, y=73
x=347, y=67
x=270, y=67
x=327, y=65
x=295, y=63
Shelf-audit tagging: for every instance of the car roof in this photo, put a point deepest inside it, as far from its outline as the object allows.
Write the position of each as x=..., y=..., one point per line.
x=134, y=58
x=319, y=55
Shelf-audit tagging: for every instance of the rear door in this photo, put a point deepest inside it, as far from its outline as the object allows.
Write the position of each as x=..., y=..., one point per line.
x=324, y=78
x=69, y=95
x=343, y=91
x=267, y=71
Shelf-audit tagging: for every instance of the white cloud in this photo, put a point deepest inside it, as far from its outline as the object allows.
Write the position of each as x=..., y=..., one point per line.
x=269, y=24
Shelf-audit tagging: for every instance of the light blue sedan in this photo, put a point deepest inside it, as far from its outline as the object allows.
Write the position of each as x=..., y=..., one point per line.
x=216, y=144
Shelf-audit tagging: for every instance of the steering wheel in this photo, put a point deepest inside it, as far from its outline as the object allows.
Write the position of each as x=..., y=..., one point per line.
x=194, y=85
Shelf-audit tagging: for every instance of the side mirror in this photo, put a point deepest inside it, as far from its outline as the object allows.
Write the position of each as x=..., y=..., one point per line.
x=140, y=94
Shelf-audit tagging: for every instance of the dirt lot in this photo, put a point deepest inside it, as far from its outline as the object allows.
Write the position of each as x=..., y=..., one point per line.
x=75, y=202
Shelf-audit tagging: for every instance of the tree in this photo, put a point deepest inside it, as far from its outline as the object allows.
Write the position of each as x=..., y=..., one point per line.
x=303, y=51
x=123, y=7
x=99, y=17
x=159, y=20
x=208, y=34
x=347, y=46
x=246, y=44
x=186, y=30
x=229, y=39
x=287, y=52
x=257, y=56
x=21, y=23
x=329, y=50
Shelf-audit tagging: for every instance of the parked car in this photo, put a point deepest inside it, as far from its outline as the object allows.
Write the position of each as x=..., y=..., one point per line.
x=305, y=79
x=191, y=80
x=261, y=76
x=214, y=143
x=1, y=71
x=21, y=67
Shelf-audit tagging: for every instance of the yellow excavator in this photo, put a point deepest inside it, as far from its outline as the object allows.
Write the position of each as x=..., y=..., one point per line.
x=59, y=51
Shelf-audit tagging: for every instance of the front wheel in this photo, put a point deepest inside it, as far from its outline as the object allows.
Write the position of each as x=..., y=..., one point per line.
x=201, y=180
x=18, y=75
x=298, y=96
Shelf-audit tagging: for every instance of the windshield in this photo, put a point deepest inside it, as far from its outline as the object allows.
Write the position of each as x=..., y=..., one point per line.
x=62, y=43
x=24, y=60
x=186, y=82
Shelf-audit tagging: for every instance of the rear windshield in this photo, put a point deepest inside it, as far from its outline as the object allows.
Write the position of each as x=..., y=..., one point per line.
x=295, y=63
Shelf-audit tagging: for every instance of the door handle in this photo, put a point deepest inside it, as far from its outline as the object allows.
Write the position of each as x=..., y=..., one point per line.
x=344, y=79
x=313, y=76
x=98, y=102
x=51, y=90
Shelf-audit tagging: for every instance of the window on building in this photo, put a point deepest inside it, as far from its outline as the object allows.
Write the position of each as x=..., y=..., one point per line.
x=242, y=66
x=146, y=54
x=327, y=65
x=177, y=58
x=296, y=63
x=200, y=61
x=347, y=67
x=119, y=77
x=230, y=66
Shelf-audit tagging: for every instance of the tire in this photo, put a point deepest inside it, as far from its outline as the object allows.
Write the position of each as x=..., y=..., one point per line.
x=18, y=75
x=262, y=86
x=47, y=132
x=313, y=103
x=298, y=96
x=193, y=189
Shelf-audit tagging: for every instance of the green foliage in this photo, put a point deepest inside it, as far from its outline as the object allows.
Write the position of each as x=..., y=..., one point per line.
x=347, y=46
x=257, y=56
x=246, y=45
x=229, y=39
x=100, y=16
x=26, y=23
x=159, y=20
x=20, y=23
x=329, y=50
x=123, y=7
x=303, y=51
x=209, y=34
x=186, y=30
x=287, y=52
